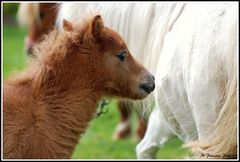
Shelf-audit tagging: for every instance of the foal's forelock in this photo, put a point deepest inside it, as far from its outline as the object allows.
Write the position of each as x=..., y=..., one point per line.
x=54, y=47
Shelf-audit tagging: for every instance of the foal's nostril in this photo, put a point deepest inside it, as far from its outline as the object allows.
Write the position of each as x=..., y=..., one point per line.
x=150, y=78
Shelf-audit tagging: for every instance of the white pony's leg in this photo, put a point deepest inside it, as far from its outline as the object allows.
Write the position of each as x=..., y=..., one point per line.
x=156, y=135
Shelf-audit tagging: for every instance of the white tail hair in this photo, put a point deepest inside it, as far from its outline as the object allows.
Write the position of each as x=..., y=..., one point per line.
x=221, y=141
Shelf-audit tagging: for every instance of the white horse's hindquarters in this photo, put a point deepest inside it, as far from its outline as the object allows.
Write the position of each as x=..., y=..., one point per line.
x=192, y=70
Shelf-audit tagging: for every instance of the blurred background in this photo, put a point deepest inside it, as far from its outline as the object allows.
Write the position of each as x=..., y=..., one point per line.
x=14, y=57
x=97, y=142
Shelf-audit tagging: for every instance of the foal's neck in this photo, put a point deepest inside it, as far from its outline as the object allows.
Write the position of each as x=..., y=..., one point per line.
x=69, y=103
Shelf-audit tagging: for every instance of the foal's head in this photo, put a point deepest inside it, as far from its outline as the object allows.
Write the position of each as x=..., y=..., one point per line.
x=115, y=71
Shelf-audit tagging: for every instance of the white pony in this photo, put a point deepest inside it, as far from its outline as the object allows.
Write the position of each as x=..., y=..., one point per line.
x=192, y=50
x=197, y=84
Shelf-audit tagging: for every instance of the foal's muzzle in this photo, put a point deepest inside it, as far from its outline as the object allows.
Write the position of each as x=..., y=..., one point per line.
x=148, y=85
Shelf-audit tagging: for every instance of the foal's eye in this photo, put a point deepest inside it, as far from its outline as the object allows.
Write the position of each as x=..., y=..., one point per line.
x=122, y=55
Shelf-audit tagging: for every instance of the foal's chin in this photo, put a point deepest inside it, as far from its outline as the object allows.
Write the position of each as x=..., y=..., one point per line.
x=143, y=94
x=137, y=96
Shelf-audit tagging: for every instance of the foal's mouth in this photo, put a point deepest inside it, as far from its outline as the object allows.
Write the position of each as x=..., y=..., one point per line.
x=147, y=87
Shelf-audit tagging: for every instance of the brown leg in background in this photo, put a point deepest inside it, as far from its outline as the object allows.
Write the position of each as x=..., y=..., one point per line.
x=123, y=128
x=142, y=127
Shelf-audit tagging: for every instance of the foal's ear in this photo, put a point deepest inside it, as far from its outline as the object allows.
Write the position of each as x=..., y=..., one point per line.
x=96, y=25
x=67, y=26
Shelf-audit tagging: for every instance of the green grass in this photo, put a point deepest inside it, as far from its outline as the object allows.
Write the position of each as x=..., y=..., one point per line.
x=97, y=142
x=14, y=57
